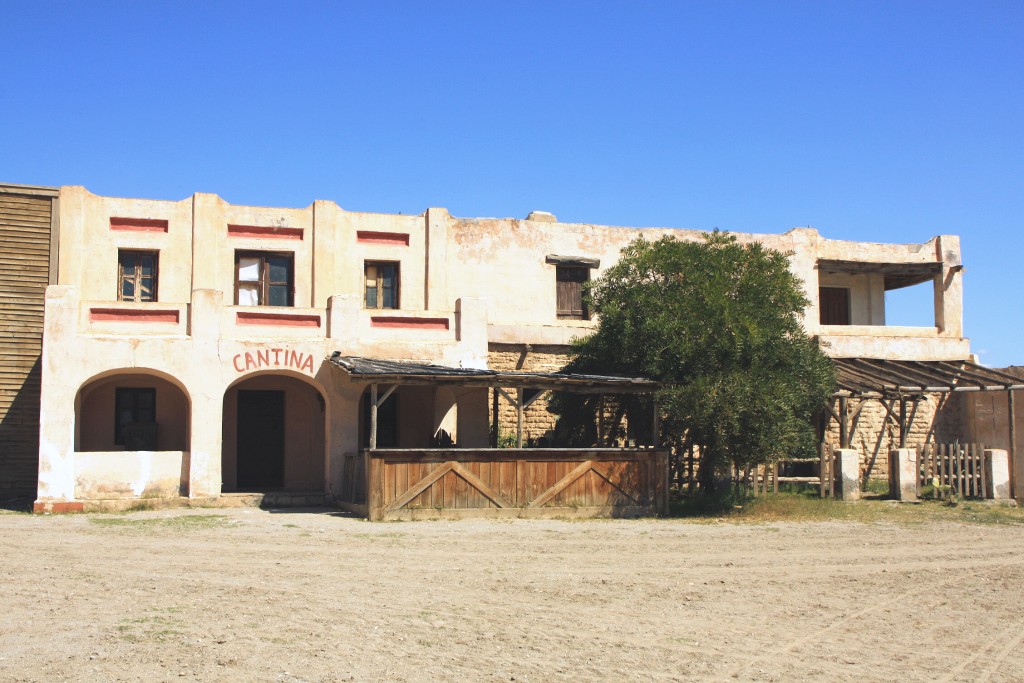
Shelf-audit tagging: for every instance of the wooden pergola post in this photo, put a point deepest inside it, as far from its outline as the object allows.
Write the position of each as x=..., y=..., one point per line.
x=844, y=425
x=903, y=422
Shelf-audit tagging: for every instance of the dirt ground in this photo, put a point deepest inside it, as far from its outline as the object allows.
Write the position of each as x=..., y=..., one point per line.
x=252, y=595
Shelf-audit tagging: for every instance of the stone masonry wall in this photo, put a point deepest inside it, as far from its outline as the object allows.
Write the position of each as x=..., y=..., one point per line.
x=520, y=357
x=939, y=418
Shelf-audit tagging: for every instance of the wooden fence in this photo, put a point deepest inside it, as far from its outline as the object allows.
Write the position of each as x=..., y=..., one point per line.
x=507, y=482
x=820, y=474
x=960, y=466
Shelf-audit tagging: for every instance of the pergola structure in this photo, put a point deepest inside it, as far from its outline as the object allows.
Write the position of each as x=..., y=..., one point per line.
x=899, y=382
x=385, y=376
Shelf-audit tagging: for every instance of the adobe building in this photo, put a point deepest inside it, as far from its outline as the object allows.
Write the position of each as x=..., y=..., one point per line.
x=188, y=344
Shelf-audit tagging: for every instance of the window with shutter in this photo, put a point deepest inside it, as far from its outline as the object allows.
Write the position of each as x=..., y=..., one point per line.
x=569, y=291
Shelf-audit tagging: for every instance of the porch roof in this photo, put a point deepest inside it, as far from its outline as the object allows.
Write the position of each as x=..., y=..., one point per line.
x=876, y=378
x=401, y=372
x=897, y=275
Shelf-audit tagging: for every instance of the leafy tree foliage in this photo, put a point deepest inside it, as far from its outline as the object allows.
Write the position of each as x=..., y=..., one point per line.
x=718, y=322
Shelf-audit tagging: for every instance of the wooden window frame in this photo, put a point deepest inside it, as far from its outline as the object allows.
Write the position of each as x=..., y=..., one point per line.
x=264, y=275
x=824, y=311
x=378, y=285
x=134, y=392
x=136, y=275
x=563, y=271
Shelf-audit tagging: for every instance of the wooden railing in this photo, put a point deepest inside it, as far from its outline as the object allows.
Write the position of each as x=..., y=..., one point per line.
x=502, y=482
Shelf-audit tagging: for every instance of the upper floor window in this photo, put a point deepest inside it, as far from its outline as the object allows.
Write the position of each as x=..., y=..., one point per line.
x=381, y=279
x=569, y=290
x=264, y=279
x=571, y=275
x=834, y=305
x=137, y=275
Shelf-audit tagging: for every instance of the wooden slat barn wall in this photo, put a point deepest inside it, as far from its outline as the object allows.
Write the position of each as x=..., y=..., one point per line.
x=27, y=216
x=411, y=484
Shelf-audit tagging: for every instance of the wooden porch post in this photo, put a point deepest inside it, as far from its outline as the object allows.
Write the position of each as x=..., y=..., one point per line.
x=495, y=423
x=519, y=417
x=373, y=416
x=655, y=421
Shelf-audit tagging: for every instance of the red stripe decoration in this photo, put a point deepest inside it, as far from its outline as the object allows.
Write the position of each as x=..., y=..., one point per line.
x=277, y=319
x=133, y=315
x=376, y=237
x=409, y=323
x=264, y=232
x=139, y=224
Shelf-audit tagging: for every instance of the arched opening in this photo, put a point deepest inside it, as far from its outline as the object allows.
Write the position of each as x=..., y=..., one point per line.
x=131, y=410
x=273, y=435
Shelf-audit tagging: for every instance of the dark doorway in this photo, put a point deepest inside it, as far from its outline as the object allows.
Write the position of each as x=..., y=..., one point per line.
x=260, y=439
x=834, y=305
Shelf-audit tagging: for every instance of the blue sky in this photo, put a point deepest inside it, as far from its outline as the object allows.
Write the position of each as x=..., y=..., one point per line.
x=880, y=121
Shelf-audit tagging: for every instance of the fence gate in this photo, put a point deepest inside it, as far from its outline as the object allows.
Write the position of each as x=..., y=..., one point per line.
x=958, y=468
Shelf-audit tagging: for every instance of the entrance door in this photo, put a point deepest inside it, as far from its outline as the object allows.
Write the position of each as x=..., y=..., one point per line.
x=260, y=439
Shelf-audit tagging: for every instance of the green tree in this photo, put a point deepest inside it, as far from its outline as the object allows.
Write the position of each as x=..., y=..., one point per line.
x=718, y=322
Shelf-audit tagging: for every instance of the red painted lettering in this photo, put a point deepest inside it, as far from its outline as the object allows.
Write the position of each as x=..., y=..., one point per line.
x=250, y=362
x=263, y=357
x=235, y=360
x=277, y=354
x=308, y=364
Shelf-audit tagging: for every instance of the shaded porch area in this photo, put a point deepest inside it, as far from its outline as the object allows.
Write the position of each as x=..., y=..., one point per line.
x=452, y=482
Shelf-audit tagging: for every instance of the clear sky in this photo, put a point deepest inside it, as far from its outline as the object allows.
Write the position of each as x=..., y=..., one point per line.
x=881, y=121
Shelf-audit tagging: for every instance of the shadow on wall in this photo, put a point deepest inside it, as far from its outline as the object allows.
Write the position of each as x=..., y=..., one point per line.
x=19, y=444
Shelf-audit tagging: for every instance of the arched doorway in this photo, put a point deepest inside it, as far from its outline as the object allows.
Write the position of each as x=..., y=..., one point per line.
x=273, y=435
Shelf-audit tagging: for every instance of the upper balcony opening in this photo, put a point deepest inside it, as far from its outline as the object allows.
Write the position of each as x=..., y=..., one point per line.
x=858, y=293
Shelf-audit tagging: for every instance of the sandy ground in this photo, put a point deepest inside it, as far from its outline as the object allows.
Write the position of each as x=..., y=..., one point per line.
x=251, y=595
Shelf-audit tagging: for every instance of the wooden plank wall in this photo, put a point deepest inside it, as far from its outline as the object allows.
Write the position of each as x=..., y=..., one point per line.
x=26, y=222
x=516, y=482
